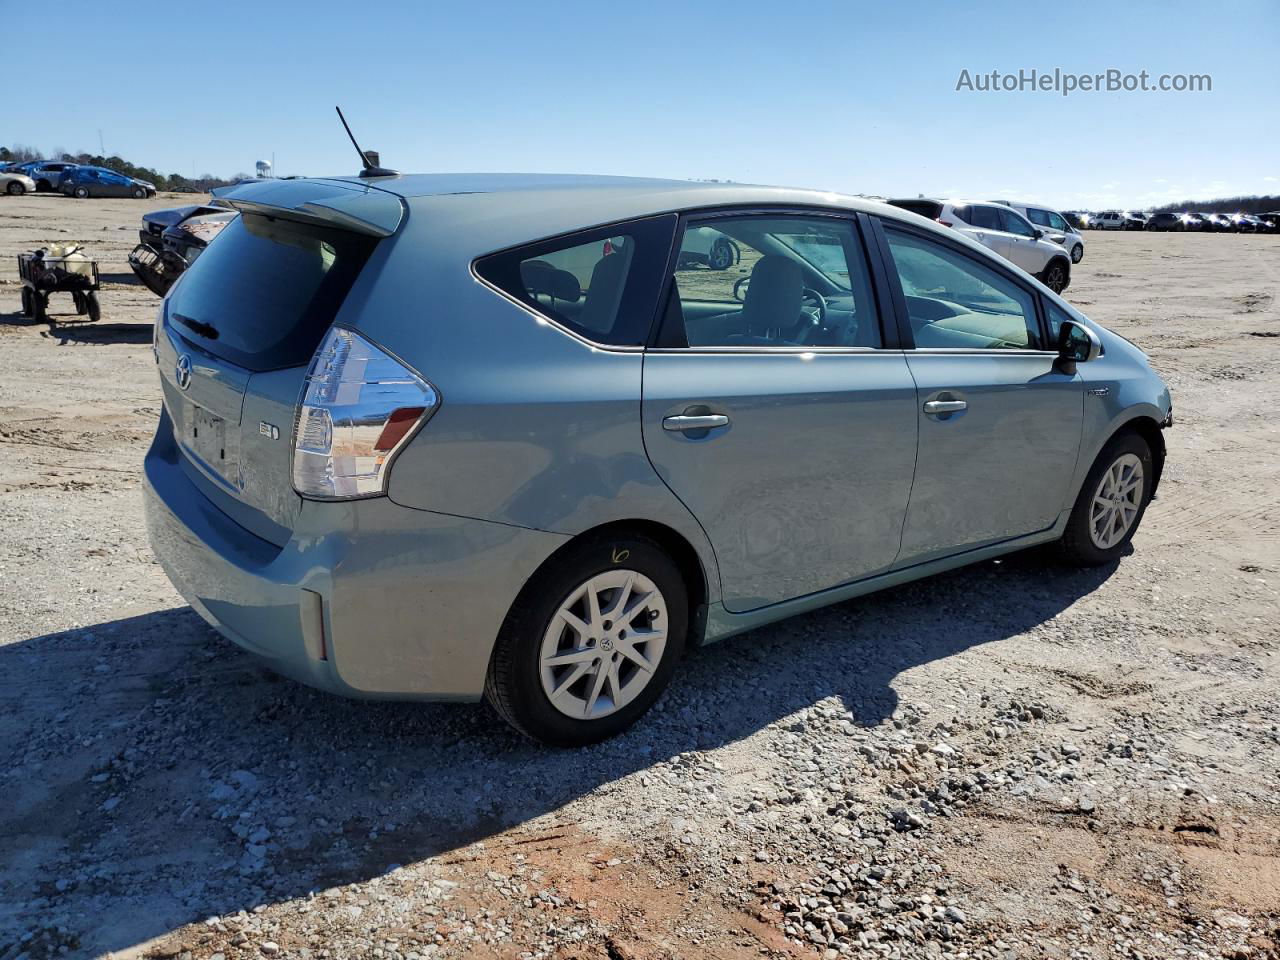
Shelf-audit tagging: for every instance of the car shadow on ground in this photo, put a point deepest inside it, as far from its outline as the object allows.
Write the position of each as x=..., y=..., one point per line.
x=71, y=332
x=144, y=754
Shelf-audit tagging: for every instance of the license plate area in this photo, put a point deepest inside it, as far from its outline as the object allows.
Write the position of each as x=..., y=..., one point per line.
x=211, y=444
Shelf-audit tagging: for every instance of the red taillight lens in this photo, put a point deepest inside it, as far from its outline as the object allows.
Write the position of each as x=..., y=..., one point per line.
x=398, y=424
x=945, y=223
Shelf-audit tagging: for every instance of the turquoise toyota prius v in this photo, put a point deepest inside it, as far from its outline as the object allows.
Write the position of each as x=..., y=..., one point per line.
x=529, y=437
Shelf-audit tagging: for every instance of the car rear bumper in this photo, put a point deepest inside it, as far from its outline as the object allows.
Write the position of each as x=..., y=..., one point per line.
x=367, y=599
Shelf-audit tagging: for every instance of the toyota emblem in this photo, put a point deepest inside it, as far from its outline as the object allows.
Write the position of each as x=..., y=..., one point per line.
x=182, y=371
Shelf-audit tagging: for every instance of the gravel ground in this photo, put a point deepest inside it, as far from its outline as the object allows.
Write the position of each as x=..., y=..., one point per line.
x=1012, y=760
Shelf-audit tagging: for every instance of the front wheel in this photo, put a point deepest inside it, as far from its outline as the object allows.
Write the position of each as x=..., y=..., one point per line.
x=1111, y=503
x=15, y=188
x=139, y=193
x=721, y=256
x=82, y=193
x=92, y=307
x=1077, y=253
x=591, y=642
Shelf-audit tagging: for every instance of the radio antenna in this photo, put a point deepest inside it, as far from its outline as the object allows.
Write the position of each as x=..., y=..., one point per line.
x=368, y=161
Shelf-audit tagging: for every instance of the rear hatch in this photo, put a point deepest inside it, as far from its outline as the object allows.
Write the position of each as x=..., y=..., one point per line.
x=240, y=329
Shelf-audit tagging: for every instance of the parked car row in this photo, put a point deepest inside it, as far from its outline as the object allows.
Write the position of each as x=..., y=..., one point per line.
x=1186, y=220
x=1046, y=251
x=71, y=179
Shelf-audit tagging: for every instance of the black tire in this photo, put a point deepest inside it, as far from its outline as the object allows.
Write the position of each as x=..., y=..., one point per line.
x=38, y=304
x=1077, y=545
x=721, y=255
x=1056, y=276
x=78, y=299
x=28, y=307
x=92, y=307
x=82, y=193
x=139, y=193
x=513, y=686
x=1077, y=253
x=15, y=188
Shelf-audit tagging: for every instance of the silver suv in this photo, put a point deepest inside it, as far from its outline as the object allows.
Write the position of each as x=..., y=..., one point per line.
x=1056, y=227
x=445, y=437
x=1003, y=230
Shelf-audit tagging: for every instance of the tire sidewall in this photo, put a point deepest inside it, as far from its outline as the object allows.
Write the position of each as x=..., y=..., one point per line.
x=531, y=615
x=82, y=193
x=1077, y=539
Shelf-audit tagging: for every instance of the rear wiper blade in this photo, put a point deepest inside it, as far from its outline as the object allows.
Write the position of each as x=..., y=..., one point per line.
x=206, y=330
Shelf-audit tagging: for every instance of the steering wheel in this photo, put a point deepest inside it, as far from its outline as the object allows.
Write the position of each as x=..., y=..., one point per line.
x=817, y=313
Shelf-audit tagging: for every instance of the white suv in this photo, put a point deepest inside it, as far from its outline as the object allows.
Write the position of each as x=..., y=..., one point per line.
x=1008, y=233
x=1055, y=226
x=1109, y=220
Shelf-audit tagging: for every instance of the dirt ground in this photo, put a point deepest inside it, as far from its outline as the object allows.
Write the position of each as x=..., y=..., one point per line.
x=1012, y=760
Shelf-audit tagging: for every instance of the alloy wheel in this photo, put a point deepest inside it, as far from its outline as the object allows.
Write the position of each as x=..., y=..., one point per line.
x=1116, y=502
x=603, y=644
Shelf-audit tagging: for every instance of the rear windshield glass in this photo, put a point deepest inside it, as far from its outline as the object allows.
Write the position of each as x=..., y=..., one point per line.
x=926, y=208
x=264, y=293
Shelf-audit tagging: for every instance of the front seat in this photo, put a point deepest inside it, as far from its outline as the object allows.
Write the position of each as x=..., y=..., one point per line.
x=771, y=309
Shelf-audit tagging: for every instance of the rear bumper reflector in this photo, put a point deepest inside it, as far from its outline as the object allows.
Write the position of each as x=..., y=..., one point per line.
x=311, y=612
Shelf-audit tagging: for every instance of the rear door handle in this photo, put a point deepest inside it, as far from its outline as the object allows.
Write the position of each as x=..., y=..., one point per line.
x=945, y=406
x=703, y=422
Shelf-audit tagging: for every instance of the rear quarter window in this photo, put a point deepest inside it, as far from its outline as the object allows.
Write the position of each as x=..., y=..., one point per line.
x=601, y=284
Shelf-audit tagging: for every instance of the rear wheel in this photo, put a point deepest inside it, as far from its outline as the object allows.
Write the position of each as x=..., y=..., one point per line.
x=78, y=299
x=1077, y=253
x=82, y=193
x=1111, y=503
x=38, y=304
x=1055, y=276
x=591, y=642
x=28, y=306
x=92, y=307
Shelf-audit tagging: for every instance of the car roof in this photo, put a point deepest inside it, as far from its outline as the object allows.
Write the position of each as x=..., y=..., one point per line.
x=490, y=211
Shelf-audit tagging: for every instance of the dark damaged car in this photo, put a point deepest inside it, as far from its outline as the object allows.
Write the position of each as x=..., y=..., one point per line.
x=170, y=241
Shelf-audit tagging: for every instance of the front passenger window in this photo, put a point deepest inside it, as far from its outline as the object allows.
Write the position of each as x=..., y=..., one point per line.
x=955, y=302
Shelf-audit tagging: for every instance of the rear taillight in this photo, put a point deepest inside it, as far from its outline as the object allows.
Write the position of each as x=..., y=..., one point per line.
x=945, y=223
x=359, y=407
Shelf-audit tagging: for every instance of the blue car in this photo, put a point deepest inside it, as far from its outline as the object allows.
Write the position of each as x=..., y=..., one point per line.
x=512, y=437
x=47, y=174
x=84, y=182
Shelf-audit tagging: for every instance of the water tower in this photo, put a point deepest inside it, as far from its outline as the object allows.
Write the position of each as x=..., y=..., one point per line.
x=263, y=168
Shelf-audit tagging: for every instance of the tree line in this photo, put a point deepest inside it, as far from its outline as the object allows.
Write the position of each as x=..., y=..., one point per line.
x=1255, y=204
x=21, y=153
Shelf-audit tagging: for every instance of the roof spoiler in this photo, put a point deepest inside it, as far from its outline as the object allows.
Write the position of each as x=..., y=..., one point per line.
x=330, y=203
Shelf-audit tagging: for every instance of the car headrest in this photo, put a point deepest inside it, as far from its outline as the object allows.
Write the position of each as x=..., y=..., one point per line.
x=541, y=278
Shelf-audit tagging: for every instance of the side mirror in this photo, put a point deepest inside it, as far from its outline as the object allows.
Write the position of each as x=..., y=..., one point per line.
x=1039, y=234
x=1077, y=344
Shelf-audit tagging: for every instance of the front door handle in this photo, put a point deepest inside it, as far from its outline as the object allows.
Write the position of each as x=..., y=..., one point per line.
x=704, y=422
x=934, y=407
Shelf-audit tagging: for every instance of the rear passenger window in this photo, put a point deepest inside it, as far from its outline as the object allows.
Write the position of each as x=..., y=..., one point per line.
x=601, y=284
x=773, y=281
x=955, y=302
x=987, y=218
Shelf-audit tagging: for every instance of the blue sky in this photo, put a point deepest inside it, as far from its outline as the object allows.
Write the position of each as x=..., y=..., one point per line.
x=854, y=97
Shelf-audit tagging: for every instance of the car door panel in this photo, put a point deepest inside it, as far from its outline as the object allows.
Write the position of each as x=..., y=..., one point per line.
x=999, y=423
x=1000, y=468
x=802, y=479
x=806, y=486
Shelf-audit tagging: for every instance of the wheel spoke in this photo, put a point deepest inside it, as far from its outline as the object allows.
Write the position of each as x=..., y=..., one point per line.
x=636, y=607
x=572, y=677
x=576, y=624
x=573, y=656
x=628, y=650
x=621, y=597
x=597, y=685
